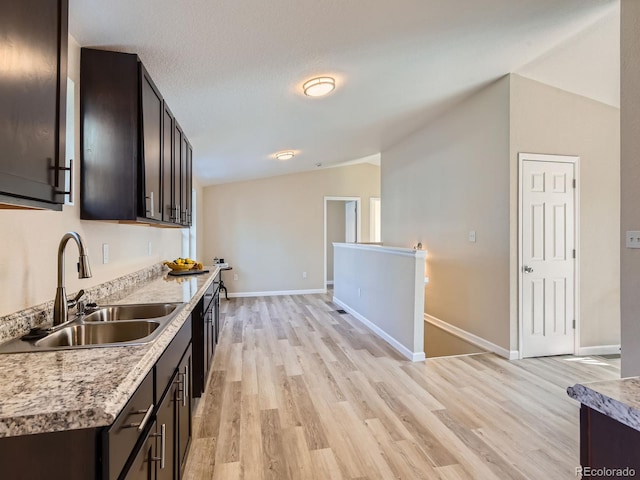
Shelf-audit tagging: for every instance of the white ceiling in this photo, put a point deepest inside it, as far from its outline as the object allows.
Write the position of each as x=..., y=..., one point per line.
x=232, y=70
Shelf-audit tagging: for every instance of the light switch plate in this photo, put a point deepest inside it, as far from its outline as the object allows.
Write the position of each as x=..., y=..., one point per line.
x=105, y=253
x=472, y=236
x=633, y=239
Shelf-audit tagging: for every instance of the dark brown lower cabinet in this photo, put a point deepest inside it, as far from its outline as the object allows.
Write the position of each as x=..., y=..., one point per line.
x=149, y=440
x=183, y=407
x=163, y=452
x=608, y=449
x=206, y=319
x=144, y=463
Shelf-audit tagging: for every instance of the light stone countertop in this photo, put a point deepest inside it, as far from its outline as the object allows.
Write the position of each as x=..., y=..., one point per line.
x=618, y=399
x=84, y=388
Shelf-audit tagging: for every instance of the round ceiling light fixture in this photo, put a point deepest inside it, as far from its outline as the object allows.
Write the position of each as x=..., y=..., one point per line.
x=319, y=86
x=288, y=155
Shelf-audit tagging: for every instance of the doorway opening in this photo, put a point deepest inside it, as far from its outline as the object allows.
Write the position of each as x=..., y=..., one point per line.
x=342, y=223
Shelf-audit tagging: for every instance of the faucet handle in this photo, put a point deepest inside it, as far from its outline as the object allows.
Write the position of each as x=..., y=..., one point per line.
x=73, y=303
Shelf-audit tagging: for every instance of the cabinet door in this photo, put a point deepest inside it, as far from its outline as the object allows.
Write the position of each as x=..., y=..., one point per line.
x=33, y=85
x=211, y=339
x=168, y=201
x=166, y=434
x=216, y=316
x=152, y=115
x=143, y=466
x=183, y=409
x=184, y=187
x=189, y=217
x=177, y=171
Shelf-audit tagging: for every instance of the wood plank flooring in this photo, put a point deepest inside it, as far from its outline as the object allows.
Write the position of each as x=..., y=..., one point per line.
x=299, y=391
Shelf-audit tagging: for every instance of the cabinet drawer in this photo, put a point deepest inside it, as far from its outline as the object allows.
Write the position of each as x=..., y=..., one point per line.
x=168, y=362
x=119, y=440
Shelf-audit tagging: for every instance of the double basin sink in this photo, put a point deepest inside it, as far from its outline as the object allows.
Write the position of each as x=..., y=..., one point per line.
x=104, y=326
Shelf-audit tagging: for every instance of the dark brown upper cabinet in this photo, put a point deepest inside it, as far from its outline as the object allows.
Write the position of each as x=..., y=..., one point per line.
x=186, y=182
x=130, y=154
x=33, y=95
x=168, y=167
x=152, y=132
x=177, y=171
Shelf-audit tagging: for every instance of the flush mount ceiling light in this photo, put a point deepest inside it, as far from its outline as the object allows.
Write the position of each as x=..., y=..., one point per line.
x=319, y=86
x=288, y=155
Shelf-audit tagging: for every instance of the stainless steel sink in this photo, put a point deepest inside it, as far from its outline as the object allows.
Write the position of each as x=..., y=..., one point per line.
x=98, y=334
x=130, y=312
x=107, y=326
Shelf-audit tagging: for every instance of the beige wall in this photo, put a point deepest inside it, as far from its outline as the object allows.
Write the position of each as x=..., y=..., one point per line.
x=335, y=230
x=545, y=119
x=630, y=183
x=29, y=240
x=271, y=230
x=199, y=221
x=437, y=185
x=460, y=173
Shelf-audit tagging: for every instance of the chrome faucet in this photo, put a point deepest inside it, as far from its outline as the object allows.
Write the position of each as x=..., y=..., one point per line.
x=61, y=305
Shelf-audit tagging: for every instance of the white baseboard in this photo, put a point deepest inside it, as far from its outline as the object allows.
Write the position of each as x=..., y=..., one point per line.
x=599, y=350
x=276, y=293
x=472, y=338
x=404, y=351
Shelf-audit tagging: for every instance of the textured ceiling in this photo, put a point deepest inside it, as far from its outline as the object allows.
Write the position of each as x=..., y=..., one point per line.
x=232, y=70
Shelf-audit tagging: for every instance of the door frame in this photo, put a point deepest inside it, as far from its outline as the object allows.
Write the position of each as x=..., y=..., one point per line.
x=358, y=227
x=575, y=160
x=372, y=219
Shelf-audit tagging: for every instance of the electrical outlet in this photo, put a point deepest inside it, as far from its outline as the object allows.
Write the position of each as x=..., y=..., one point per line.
x=472, y=236
x=150, y=249
x=633, y=239
x=304, y=274
x=235, y=276
x=105, y=253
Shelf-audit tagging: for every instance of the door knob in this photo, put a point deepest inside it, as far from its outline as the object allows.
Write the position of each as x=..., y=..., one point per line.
x=528, y=269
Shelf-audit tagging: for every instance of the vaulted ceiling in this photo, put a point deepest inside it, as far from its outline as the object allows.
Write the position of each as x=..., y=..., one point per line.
x=232, y=70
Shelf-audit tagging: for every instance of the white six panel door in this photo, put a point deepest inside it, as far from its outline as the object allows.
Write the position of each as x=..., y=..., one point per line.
x=548, y=242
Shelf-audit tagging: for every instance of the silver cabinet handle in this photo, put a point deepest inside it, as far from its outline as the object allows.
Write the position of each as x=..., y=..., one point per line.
x=143, y=423
x=150, y=198
x=528, y=269
x=163, y=445
x=185, y=385
x=70, y=170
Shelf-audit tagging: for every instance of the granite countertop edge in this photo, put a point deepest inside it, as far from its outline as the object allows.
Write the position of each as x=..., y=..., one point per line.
x=617, y=399
x=107, y=404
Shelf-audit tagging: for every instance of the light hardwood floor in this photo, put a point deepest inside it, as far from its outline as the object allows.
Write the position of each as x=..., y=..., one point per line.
x=298, y=391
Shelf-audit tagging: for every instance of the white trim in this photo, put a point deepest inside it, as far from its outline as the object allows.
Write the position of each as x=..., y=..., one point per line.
x=358, y=222
x=404, y=351
x=472, y=338
x=277, y=293
x=598, y=350
x=407, y=252
x=575, y=160
x=373, y=220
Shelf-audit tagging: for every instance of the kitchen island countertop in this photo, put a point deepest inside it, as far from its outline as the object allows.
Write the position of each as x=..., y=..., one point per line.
x=86, y=388
x=618, y=399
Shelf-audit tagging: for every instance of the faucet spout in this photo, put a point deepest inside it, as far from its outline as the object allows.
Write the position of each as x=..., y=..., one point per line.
x=61, y=304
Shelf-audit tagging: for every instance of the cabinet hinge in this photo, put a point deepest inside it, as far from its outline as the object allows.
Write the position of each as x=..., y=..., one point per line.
x=574, y=324
x=574, y=183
